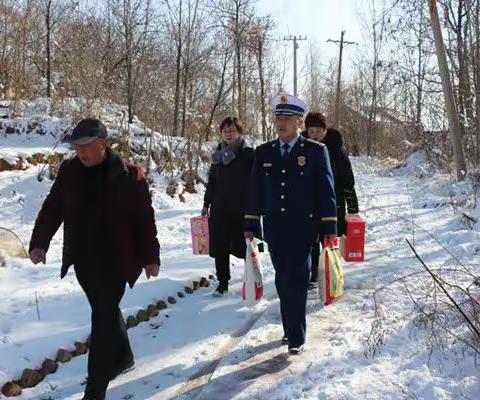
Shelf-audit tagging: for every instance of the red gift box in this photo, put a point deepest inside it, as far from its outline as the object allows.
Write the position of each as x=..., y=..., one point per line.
x=353, y=242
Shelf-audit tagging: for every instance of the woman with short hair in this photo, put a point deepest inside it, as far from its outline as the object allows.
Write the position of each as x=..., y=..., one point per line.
x=224, y=200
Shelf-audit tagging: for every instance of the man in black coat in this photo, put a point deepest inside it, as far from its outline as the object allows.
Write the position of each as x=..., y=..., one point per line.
x=109, y=236
x=316, y=129
x=225, y=197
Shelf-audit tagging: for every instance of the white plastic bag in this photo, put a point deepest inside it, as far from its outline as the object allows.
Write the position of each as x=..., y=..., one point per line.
x=252, y=276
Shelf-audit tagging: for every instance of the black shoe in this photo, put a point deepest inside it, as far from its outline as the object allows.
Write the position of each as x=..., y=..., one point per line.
x=295, y=351
x=312, y=285
x=284, y=340
x=221, y=290
x=124, y=369
x=94, y=396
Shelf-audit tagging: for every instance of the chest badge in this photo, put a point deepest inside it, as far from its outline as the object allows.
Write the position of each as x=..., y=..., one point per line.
x=301, y=161
x=267, y=164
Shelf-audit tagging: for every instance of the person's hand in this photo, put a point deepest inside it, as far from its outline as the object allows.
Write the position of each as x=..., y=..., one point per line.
x=205, y=212
x=38, y=255
x=152, y=270
x=249, y=235
x=330, y=237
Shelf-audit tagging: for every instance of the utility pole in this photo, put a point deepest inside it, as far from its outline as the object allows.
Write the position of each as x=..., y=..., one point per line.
x=450, y=104
x=336, y=111
x=295, y=39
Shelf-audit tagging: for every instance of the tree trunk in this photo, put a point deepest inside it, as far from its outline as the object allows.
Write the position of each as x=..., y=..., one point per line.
x=238, y=52
x=466, y=76
x=48, y=26
x=192, y=20
x=262, y=90
x=178, y=67
x=476, y=78
x=420, y=72
x=129, y=49
x=219, y=96
x=453, y=122
x=373, y=113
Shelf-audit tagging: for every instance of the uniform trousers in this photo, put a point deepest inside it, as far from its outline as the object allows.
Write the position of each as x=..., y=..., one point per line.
x=292, y=273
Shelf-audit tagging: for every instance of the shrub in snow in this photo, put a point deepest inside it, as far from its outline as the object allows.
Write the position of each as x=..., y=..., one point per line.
x=172, y=187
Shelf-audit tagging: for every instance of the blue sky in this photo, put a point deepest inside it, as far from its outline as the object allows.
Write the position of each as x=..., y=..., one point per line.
x=319, y=20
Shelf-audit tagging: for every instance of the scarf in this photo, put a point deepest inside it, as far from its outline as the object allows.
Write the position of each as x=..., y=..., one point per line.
x=226, y=153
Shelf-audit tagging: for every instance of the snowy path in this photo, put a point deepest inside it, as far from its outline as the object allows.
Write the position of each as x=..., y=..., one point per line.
x=335, y=365
x=202, y=348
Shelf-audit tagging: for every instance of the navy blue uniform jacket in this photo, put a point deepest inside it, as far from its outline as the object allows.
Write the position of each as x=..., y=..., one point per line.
x=294, y=195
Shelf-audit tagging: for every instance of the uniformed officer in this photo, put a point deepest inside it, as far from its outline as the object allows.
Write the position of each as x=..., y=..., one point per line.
x=291, y=188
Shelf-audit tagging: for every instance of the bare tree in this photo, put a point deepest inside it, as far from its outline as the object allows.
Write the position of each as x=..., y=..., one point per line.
x=258, y=43
x=135, y=23
x=52, y=11
x=236, y=16
x=176, y=27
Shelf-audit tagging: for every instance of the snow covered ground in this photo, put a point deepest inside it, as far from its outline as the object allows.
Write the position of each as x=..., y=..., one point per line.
x=206, y=348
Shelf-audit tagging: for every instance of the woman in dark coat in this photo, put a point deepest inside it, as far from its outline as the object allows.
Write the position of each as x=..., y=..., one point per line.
x=225, y=197
x=316, y=129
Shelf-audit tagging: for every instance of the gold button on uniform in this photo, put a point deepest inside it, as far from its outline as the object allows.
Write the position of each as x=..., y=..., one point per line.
x=282, y=209
x=282, y=196
x=283, y=171
x=283, y=183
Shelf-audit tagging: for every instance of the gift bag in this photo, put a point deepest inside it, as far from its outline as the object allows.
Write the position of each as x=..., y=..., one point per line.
x=252, y=277
x=352, y=244
x=330, y=275
x=200, y=236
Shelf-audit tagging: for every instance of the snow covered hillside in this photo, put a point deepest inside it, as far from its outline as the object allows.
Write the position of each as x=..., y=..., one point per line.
x=208, y=348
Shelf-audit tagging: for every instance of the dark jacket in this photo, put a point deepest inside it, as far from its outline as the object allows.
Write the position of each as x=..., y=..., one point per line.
x=130, y=231
x=226, y=196
x=343, y=177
